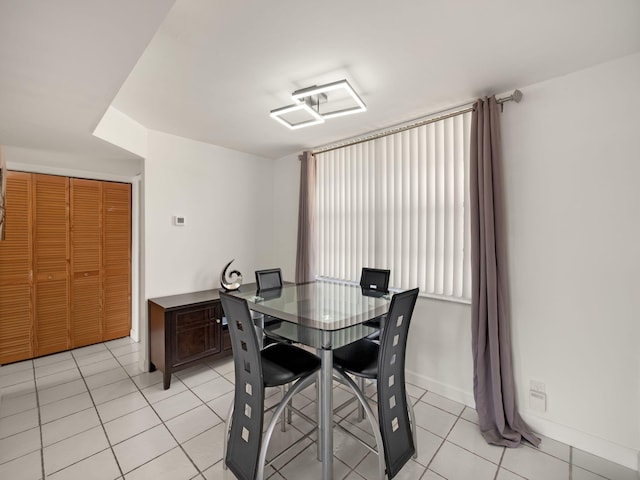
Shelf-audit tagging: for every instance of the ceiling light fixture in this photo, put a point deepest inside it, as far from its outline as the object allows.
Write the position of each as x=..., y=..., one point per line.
x=337, y=99
x=278, y=114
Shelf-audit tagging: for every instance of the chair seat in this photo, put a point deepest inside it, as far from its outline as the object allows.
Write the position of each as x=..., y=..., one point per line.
x=359, y=358
x=283, y=363
x=374, y=322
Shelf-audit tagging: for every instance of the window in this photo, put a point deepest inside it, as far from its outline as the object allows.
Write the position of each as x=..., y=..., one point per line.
x=399, y=202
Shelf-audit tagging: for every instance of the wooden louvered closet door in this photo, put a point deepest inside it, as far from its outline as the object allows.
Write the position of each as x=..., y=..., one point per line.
x=116, y=260
x=51, y=263
x=86, y=260
x=65, y=266
x=16, y=314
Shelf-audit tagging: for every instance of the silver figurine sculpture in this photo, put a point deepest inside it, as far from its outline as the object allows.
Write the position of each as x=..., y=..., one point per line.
x=226, y=280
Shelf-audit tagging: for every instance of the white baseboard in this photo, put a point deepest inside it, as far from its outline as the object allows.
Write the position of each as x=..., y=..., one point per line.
x=439, y=388
x=613, y=452
x=600, y=447
x=134, y=335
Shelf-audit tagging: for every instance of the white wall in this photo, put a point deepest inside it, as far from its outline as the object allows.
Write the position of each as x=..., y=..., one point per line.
x=439, y=349
x=572, y=168
x=286, y=181
x=572, y=174
x=121, y=130
x=69, y=164
x=226, y=199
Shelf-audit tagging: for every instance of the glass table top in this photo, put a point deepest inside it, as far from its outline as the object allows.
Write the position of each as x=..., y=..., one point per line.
x=320, y=305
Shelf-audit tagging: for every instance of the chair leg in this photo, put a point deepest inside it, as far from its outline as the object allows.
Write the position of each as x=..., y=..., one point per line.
x=288, y=410
x=318, y=413
x=259, y=326
x=372, y=419
x=360, y=407
x=412, y=421
x=266, y=438
x=226, y=435
x=283, y=423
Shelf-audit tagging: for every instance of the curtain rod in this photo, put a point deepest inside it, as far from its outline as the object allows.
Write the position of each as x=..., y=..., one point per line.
x=516, y=96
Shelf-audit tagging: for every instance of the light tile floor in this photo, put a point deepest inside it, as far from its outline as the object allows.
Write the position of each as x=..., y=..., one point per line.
x=91, y=413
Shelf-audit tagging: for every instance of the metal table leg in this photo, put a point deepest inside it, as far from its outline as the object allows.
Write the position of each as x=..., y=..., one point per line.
x=326, y=410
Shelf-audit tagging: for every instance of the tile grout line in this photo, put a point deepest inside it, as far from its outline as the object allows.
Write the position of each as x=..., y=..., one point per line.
x=162, y=421
x=504, y=450
x=311, y=444
x=171, y=433
x=444, y=439
x=138, y=388
x=102, y=423
x=88, y=390
x=35, y=387
x=104, y=430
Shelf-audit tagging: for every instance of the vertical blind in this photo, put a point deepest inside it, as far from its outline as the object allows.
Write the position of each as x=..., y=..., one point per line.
x=399, y=202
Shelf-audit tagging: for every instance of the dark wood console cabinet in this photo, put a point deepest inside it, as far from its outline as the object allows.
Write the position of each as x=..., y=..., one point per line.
x=186, y=329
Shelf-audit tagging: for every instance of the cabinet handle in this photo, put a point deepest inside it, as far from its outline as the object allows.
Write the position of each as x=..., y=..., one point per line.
x=217, y=320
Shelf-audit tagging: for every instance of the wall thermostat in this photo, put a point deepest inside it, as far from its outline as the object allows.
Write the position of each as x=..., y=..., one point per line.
x=178, y=220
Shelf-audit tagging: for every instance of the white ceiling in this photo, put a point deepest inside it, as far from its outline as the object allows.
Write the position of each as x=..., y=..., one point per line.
x=211, y=70
x=61, y=64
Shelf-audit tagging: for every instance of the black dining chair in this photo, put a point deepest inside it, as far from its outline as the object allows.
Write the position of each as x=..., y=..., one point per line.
x=384, y=362
x=245, y=447
x=270, y=278
x=269, y=283
x=375, y=282
x=375, y=279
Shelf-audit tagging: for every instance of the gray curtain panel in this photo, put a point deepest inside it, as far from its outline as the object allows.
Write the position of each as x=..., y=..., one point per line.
x=493, y=384
x=305, y=255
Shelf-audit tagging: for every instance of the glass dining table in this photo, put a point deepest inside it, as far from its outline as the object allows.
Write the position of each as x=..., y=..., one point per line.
x=324, y=315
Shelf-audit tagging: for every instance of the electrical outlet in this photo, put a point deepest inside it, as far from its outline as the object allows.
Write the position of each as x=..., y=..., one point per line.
x=537, y=396
x=539, y=387
x=537, y=401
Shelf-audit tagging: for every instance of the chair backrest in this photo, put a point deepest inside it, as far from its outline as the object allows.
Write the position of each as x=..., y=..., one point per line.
x=245, y=436
x=392, y=397
x=375, y=279
x=267, y=279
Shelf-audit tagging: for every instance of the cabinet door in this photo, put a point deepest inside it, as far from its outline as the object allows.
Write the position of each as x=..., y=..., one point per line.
x=116, y=261
x=51, y=269
x=16, y=334
x=220, y=340
x=86, y=256
x=197, y=334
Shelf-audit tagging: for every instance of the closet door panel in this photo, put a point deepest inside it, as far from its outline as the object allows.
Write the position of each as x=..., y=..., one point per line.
x=86, y=254
x=52, y=330
x=116, y=259
x=16, y=315
x=51, y=263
